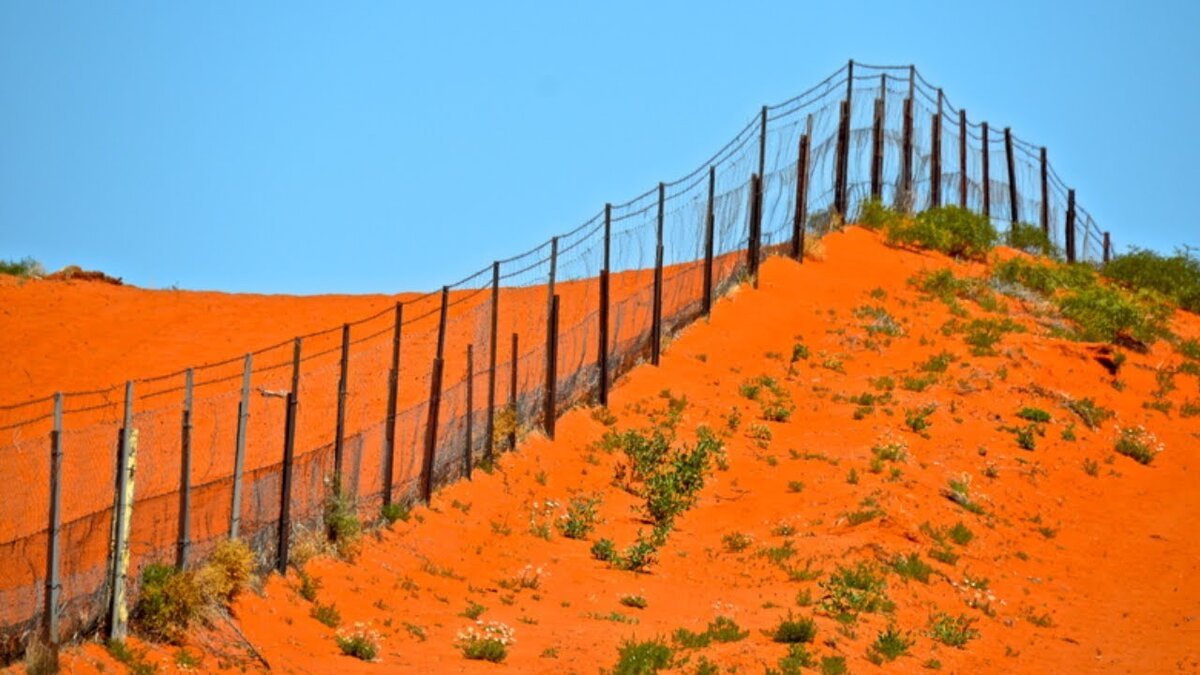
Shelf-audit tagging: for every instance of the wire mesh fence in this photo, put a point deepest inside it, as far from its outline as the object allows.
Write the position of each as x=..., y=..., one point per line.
x=411, y=397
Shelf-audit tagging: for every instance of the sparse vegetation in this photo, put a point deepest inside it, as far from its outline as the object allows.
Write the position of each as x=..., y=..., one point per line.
x=952, y=230
x=890, y=645
x=485, y=641
x=852, y=590
x=793, y=630
x=953, y=631
x=643, y=658
x=1137, y=444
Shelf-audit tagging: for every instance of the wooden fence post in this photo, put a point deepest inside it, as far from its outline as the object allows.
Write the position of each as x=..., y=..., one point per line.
x=546, y=403
x=53, y=531
x=389, y=437
x=289, y=453
x=841, y=160
x=1045, y=210
x=987, y=173
x=467, y=449
x=877, y=149
x=185, y=476
x=550, y=413
x=602, y=348
x=656, y=304
x=1070, y=226
x=1012, y=176
x=755, y=219
x=339, y=441
x=935, y=164
x=906, y=159
x=800, y=219
x=762, y=141
x=512, y=397
x=435, y=403
x=490, y=441
x=709, y=221
x=1107, y=248
x=118, y=612
x=239, y=452
x=962, y=158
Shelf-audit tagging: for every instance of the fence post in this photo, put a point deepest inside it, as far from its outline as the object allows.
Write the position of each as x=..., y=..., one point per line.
x=546, y=403
x=339, y=447
x=906, y=163
x=709, y=221
x=656, y=305
x=512, y=397
x=877, y=148
x=799, y=220
x=602, y=349
x=762, y=141
x=842, y=160
x=550, y=413
x=185, y=476
x=53, y=583
x=935, y=164
x=118, y=614
x=467, y=450
x=490, y=442
x=435, y=402
x=289, y=450
x=987, y=173
x=1012, y=176
x=755, y=217
x=1070, y=226
x=239, y=452
x=1107, y=248
x=1045, y=210
x=962, y=158
x=389, y=437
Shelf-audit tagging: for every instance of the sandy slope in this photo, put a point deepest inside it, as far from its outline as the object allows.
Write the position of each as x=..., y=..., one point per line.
x=1111, y=559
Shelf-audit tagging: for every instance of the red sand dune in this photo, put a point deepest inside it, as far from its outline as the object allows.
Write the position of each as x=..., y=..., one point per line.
x=1109, y=560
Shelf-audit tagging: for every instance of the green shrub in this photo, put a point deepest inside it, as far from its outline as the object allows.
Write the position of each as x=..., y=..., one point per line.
x=1092, y=415
x=643, y=658
x=342, y=525
x=853, y=590
x=227, y=572
x=635, y=601
x=326, y=614
x=1138, y=444
x=394, y=512
x=168, y=601
x=26, y=267
x=1031, y=239
x=1176, y=277
x=873, y=214
x=890, y=645
x=485, y=642
x=361, y=643
x=953, y=631
x=792, y=630
x=1106, y=314
x=1034, y=415
x=912, y=567
x=952, y=230
x=581, y=517
x=604, y=550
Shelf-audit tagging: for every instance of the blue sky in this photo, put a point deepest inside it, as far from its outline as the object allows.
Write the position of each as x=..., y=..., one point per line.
x=379, y=147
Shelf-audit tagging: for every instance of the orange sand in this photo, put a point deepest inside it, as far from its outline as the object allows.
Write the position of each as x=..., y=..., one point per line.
x=1116, y=571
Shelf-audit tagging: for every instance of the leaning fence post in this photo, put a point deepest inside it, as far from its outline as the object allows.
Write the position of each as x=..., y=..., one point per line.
x=602, y=348
x=962, y=158
x=709, y=222
x=185, y=475
x=877, y=146
x=435, y=402
x=656, y=303
x=512, y=397
x=239, y=452
x=1070, y=226
x=467, y=446
x=935, y=164
x=755, y=233
x=289, y=452
x=1012, y=176
x=118, y=614
x=550, y=412
x=489, y=442
x=389, y=435
x=340, y=424
x=1107, y=248
x=906, y=163
x=987, y=173
x=1045, y=210
x=799, y=220
x=53, y=583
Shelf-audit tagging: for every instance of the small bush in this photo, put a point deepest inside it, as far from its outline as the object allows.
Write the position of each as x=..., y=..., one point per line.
x=912, y=567
x=228, y=571
x=1030, y=239
x=25, y=268
x=394, y=512
x=134, y=660
x=326, y=614
x=952, y=230
x=581, y=517
x=960, y=534
x=1091, y=414
x=342, y=525
x=1034, y=415
x=485, y=642
x=890, y=645
x=792, y=630
x=168, y=601
x=635, y=601
x=360, y=642
x=853, y=590
x=1137, y=444
x=873, y=214
x=1176, y=277
x=604, y=550
x=736, y=542
x=643, y=658
x=833, y=665
x=953, y=631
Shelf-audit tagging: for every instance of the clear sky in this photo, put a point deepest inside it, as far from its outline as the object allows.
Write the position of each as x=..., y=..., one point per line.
x=379, y=147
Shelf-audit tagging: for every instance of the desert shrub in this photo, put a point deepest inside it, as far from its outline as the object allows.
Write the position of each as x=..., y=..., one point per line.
x=168, y=601
x=1031, y=239
x=774, y=401
x=1137, y=444
x=952, y=230
x=485, y=641
x=1176, y=277
x=1092, y=414
x=395, y=511
x=643, y=658
x=134, y=660
x=504, y=426
x=580, y=518
x=361, y=642
x=1034, y=415
x=792, y=630
x=342, y=525
x=604, y=550
x=889, y=645
x=326, y=614
x=912, y=567
x=228, y=571
x=854, y=590
x=1106, y=314
x=874, y=214
x=720, y=629
x=635, y=601
x=953, y=631
x=674, y=484
x=25, y=267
